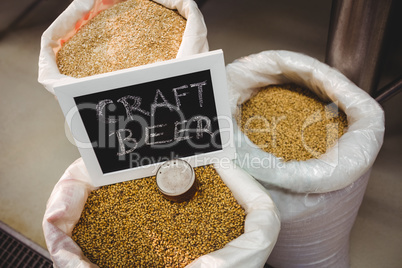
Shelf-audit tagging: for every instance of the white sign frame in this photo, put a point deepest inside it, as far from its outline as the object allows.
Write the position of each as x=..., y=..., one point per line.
x=68, y=90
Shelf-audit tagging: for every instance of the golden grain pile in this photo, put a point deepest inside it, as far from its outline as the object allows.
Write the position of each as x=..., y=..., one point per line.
x=130, y=224
x=129, y=34
x=291, y=122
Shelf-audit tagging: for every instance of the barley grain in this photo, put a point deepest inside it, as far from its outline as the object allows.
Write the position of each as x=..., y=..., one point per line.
x=130, y=224
x=291, y=122
x=129, y=34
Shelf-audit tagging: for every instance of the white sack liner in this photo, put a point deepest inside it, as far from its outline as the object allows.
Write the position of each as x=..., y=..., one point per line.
x=341, y=165
x=194, y=38
x=251, y=249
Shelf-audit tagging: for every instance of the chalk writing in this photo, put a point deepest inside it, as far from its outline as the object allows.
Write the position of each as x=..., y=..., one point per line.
x=154, y=119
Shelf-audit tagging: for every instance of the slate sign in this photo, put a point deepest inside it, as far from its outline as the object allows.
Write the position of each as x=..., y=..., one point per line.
x=128, y=122
x=149, y=122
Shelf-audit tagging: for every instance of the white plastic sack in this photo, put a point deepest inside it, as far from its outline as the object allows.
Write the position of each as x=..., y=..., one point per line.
x=80, y=11
x=341, y=165
x=316, y=227
x=318, y=199
x=251, y=249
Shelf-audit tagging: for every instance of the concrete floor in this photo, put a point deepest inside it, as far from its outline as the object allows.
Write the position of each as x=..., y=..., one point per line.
x=35, y=150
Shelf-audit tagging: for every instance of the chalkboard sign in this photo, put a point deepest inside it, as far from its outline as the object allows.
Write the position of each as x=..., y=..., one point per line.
x=126, y=123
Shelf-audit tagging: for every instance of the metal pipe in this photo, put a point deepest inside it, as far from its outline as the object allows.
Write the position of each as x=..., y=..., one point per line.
x=390, y=90
x=355, y=39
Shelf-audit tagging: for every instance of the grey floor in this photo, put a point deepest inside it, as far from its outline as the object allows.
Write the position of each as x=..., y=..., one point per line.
x=35, y=150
